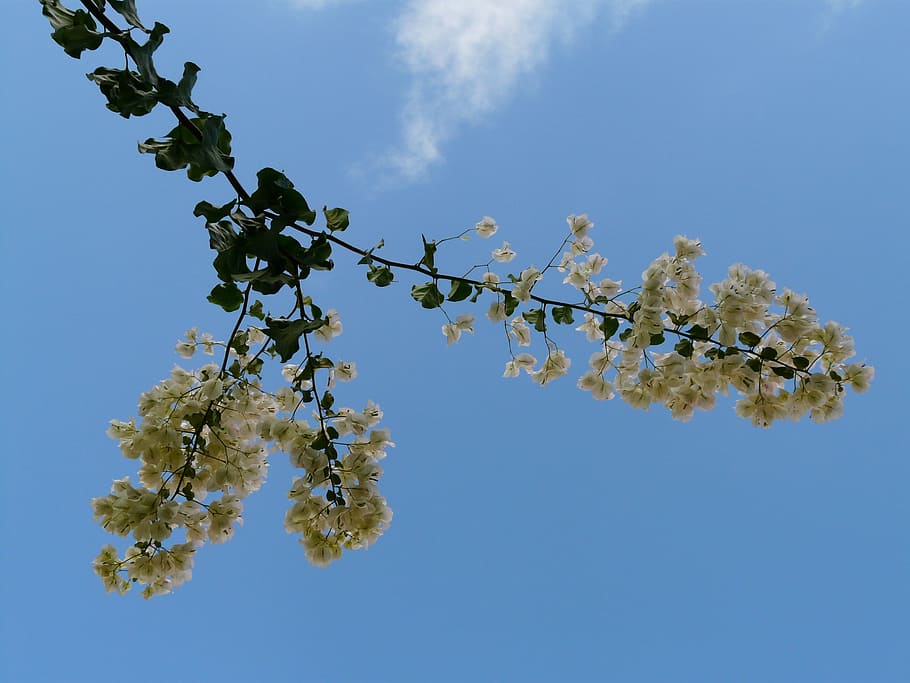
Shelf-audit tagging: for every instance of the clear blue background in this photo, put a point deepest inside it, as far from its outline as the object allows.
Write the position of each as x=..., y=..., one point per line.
x=538, y=535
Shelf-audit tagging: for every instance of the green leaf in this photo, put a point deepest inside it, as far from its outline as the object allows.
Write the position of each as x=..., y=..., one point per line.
x=214, y=213
x=180, y=94
x=428, y=295
x=461, y=290
x=337, y=220
x=429, y=254
x=749, y=339
x=380, y=276
x=754, y=364
x=782, y=371
x=698, y=332
x=684, y=348
x=625, y=334
x=609, y=326
x=678, y=320
x=286, y=334
x=181, y=149
x=562, y=315
x=127, y=10
x=74, y=31
x=801, y=362
x=510, y=303
x=126, y=93
x=657, y=339
x=142, y=54
x=276, y=193
x=230, y=263
x=327, y=401
x=537, y=317
x=227, y=295
x=256, y=310
x=768, y=353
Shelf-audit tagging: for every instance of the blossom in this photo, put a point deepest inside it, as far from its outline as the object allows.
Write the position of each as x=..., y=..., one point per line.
x=521, y=331
x=504, y=254
x=579, y=225
x=453, y=330
x=331, y=328
x=526, y=281
x=523, y=361
x=486, y=227
x=556, y=365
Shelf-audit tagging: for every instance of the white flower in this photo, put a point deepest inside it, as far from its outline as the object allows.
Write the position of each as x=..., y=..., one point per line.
x=186, y=349
x=490, y=278
x=523, y=361
x=521, y=331
x=594, y=382
x=610, y=288
x=487, y=227
x=497, y=312
x=207, y=342
x=858, y=376
x=686, y=249
x=504, y=254
x=465, y=323
x=556, y=365
x=451, y=332
x=579, y=225
x=332, y=326
x=527, y=280
x=345, y=370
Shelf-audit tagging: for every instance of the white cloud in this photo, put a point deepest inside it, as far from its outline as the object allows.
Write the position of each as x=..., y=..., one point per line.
x=467, y=57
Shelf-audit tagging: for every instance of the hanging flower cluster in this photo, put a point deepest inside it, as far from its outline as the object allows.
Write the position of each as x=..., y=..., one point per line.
x=768, y=347
x=203, y=438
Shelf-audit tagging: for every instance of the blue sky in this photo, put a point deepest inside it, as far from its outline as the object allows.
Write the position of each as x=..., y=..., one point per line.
x=538, y=535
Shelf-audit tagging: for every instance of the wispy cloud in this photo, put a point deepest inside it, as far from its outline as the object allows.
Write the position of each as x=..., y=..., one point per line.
x=466, y=59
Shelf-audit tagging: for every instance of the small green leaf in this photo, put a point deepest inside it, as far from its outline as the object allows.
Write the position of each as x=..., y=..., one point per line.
x=625, y=334
x=657, y=339
x=536, y=317
x=428, y=295
x=801, y=362
x=609, y=327
x=783, y=371
x=256, y=310
x=461, y=290
x=768, y=353
x=276, y=192
x=227, y=295
x=127, y=10
x=126, y=93
x=754, y=364
x=510, y=303
x=684, y=348
x=749, y=339
x=337, y=220
x=180, y=94
x=180, y=149
x=286, y=334
x=212, y=213
x=429, y=254
x=380, y=276
x=562, y=315
x=698, y=332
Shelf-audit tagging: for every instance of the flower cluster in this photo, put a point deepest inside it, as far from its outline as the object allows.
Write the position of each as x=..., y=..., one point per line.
x=202, y=440
x=766, y=345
